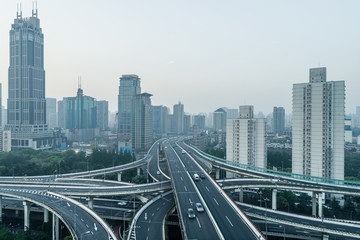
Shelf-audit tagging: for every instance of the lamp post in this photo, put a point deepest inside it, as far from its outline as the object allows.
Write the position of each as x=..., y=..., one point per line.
x=261, y=197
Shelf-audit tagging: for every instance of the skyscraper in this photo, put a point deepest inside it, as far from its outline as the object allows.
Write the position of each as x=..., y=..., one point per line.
x=178, y=118
x=220, y=120
x=278, y=122
x=318, y=126
x=102, y=115
x=142, y=131
x=245, y=139
x=51, y=112
x=128, y=89
x=26, y=95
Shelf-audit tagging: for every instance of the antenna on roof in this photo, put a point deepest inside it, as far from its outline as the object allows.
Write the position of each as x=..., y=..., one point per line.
x=79, y=82
x=35, y=10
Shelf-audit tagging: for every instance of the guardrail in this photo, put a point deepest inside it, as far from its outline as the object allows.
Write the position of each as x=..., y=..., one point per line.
x=274, y=173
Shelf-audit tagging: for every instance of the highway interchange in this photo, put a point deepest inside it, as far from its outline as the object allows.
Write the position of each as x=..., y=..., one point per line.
x=220, y=216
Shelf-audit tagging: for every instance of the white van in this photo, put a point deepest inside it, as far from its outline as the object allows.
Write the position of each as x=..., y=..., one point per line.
x=196, y=176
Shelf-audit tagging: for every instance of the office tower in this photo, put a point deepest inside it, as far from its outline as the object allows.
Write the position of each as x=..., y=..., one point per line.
x=80, y=111
x=187, y=123
x=232, y=113
x=278, y=122
x=245, y=139
x=61, y=114
x=220, y=120
x=199, y=120
x=102, y=115
x=142, y=131
x=160, y=116
x=26, y=94
x=178, y=118
x=3, y=116
x=358, y=111
x=51, y=112
x=318, y=126
x=128, y=89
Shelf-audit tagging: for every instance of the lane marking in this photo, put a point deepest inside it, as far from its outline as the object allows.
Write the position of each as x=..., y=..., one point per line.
x=207, y=189
x=181, y=179
x=216, y=201
x=185, y=188
x=198, y=222
x=229, y=221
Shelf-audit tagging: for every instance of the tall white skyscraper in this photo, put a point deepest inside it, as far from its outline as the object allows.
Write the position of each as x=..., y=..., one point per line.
x=318, y=126
x=245, y=139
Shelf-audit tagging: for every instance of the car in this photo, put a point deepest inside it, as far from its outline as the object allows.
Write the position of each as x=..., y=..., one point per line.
x=196, y=176
x=199, y=207
x=122, y=203
x=202, y=176
x=191, y=213
x=158, y=172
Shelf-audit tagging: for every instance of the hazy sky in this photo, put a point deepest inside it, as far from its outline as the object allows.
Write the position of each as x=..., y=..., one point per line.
x=206, y=54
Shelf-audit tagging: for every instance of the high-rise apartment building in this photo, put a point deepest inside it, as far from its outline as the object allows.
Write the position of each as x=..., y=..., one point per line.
x=245, y=139
x=128, y=89
x=220, y=117
x=178, y=118
x=278, y=121
x=51, y=112
x=26, y=94
x=102, y=115
x=318, y=126
x=199, y=120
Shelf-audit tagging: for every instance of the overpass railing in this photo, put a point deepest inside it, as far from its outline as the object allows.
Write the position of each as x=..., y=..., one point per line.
x=275, y=173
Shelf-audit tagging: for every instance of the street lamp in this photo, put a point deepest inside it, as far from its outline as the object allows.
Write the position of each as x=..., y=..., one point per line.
x=124, y=223
x=284, y=229
x=261, y=197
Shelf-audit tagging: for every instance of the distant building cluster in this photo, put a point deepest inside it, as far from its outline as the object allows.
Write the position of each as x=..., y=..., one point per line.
x=317, y=130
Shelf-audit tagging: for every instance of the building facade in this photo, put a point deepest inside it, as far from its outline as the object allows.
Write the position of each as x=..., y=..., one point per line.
x=102, y=115
x=220, y=117
x=51, y=112
x=142, y=131
x=26, y=118
x=199, y=120
x=246, y=139
x=278, y=121
x=178, y=118
x=318, y=126
x=128, y=89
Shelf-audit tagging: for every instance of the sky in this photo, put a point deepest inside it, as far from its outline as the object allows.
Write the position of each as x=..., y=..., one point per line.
x=205, y=53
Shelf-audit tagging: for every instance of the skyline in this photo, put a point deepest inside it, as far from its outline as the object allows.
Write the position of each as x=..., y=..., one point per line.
x=206, y=49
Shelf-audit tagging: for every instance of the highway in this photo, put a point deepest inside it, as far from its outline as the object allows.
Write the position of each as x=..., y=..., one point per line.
x=227, y=215
x=153, y=166
x=151, y=222
x=82, y=222
x=200, y=227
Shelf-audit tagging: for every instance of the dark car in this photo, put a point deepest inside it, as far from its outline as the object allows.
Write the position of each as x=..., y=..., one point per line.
x=202, y=176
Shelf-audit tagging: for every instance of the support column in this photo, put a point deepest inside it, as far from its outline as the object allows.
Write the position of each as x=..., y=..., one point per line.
x=241, y=195
x=320, y=205
x=119, y=176
x=91, y=202
x=325, y=237
x=0, y=208
x=55, y=232
x=274, y=199
x=314, y=204
x=46, y=215
x=26, y=215
x=217, y=173
x=138, y=171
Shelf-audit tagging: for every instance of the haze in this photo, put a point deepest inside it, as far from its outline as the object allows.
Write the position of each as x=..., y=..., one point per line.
x=206, y=54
